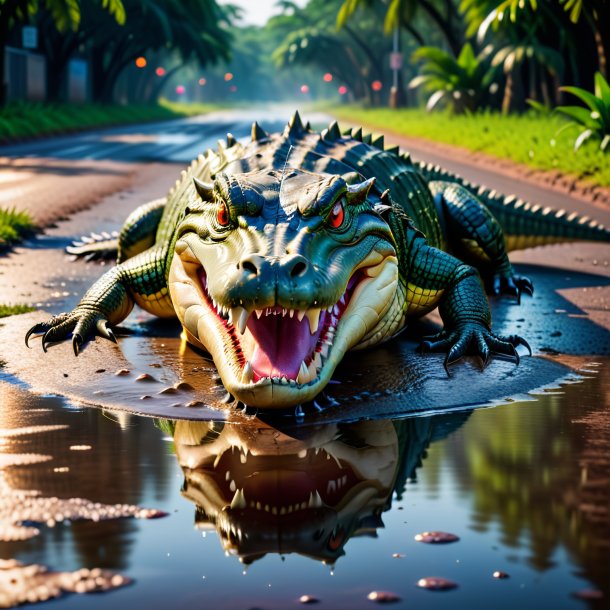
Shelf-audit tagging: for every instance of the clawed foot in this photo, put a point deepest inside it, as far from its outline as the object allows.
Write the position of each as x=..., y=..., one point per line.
x=513, y=285
x=473, y=339
x=81, y=323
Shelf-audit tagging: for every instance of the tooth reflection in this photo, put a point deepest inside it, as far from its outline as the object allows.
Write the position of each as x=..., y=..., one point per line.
x=305, y=490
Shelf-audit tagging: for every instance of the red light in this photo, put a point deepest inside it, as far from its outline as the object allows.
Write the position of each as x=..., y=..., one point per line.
x=376, y=85
x=180, y=89
x=342, y=90
x=328, y=77
x=228, y=76
x=160, y=71
x=304, y=89
x=141, y=62
x=202, y=81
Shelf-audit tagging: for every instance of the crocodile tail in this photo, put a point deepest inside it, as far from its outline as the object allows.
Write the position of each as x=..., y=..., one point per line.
x=525, y=225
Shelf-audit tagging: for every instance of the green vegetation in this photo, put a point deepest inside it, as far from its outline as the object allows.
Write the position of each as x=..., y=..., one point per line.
x=595, y=121
x=23, y=120
x=532, y=138
x=463, y=81
x=13, y=310
x=13, y=226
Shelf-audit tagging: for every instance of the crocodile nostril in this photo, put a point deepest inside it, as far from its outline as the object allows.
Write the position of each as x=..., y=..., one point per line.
x=249, y=266
x=298, y=269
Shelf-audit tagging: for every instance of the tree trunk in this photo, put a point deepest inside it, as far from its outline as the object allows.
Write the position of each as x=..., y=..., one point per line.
x=602, y=40
x=3, y=85
x=513, y=91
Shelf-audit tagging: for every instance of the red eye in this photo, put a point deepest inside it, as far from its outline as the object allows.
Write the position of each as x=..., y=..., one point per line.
x=336, y=215
x=222, y=214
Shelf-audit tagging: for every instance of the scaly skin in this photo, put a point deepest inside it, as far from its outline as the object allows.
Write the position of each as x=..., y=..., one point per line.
x=281, y=255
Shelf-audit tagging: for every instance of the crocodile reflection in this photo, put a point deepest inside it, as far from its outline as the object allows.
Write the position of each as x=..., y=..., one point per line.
x=299, y=490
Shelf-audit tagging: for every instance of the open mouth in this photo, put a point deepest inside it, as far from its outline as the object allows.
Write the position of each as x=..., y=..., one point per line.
x=281, y=485
x=280, y=345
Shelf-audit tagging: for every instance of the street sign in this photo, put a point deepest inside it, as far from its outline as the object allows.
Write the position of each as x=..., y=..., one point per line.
x=396, y=61
x=29, y=37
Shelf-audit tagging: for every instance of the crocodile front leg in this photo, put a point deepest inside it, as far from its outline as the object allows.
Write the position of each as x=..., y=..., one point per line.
x=435, y=278
x=140, y=279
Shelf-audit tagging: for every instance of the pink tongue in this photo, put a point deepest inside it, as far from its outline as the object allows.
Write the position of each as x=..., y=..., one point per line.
x=282, y=343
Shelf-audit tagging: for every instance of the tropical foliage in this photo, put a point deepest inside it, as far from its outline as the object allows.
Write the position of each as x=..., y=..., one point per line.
x=594, y=121
x=463, y=82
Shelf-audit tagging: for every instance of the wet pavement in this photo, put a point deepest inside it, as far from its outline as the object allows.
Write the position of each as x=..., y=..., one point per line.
x=329, y=508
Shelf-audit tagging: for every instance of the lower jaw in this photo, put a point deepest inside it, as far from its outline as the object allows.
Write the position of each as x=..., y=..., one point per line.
x=268, y=394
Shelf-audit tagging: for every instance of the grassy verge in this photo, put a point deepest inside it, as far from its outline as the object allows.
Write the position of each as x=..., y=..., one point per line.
x=529, y=138
x=27, y=120
x=13, y=310
x=13, y=226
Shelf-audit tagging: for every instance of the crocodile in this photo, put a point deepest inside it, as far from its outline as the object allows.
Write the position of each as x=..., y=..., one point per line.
x=280, y=254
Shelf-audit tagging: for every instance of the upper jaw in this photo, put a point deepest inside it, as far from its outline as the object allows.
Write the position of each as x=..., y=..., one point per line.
x=310, y=341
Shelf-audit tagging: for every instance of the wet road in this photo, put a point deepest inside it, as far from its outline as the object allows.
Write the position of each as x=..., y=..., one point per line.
x=177, y=141
x=524, y=486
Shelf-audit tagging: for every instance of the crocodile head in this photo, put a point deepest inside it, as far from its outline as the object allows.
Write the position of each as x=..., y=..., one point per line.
x=277, y=274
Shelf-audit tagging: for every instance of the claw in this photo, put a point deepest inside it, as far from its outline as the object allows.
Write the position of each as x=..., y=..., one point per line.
x=37, y=328
x=522, y=341
x=77, y=341
x=516, y=355
x=496, y=285
x=44, y=341
x=105, y=331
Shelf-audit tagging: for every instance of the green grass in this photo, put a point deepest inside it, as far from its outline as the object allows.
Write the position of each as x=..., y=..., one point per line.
x=13, y=226
x=13, y=310
x=28, y=120
x=530, y=138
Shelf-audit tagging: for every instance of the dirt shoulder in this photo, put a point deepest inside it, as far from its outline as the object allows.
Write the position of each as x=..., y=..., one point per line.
x=52, y=189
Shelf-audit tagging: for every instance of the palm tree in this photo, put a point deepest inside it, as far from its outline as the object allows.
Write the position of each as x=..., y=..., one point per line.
x=464, y=83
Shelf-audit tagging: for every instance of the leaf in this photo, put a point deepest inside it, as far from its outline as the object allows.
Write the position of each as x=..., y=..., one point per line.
x=602, y=89
x=582, y=138
x=65, y=13
x=116, y=9
x=587, y=97
x=580, y=115
x=434, y=99
x=605, y=142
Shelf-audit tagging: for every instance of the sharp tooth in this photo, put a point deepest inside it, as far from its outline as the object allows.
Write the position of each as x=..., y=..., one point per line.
x=302, y=454
x=313, y=315
x=284, y=380
x=239, y=499
x=284, y=312
x=344, y=479
x=283, y=510
x=232, y=486
x=267, y=509
x=336, y=310
x=331, y=486
x=273, y=510
x=275, y=380
x=324, y=350
x=303, y=505
x=259, y=313
x=238, y=316
x=342, y=299
x=243, y=458
x=317, y=361
x=313, y=373
x=259, y=506
x=227, y=475
x=303, y=376
x=291, y=313
x=300, y=314
x=247, y=375
x=315, y=501
x=218, y=460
